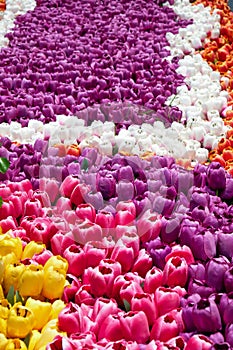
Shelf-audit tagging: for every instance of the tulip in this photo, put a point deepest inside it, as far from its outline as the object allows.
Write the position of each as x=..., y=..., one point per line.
x=189, y=228
x=166, y=300
x=225, y=307
x=111, y=328
x=224, y=244
x=200, y=287
x=10, y=245
x=158, y=252
x=143, y=263
x=124, y=217
x=228, y=334
x=216, y=176
x=203, y=245
x=57, y=306
x=56, y=262
x=124, y=255
x=206, y=316
x=42, y=257
x=169, y=229
x=199, y=341
x=20, y=321
x=54, y=282
x=101, y=280
x=15, y=344
x=215, y=270
x=128, y=290
x=107, y=186
x=31, y=280
x=41, y=230
x=78, y=194
x=59, y=242
x=153, y=280
x=71, y=319
x=76, y=260
x=228, y=280
x=129, y=238
x=101, y=310
x=48, y=333
x=87, y=231
x=177, y=342
x=86, y=211
x=145, y=302
x=33, y=207
x=165, y=328
x=3, y=342
x=32, y=248
x=175, y=272
x=41, y=311
x=135, y=326
x=8, y=224
x=183, y=252
x=84, y=296
x=148, y=226
x=12, y=275
x=187, y=303
x=106, y=220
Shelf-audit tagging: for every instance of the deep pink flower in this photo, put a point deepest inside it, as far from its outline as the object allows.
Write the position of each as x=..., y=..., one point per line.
x=84, y=296
x=143, y=263
x=124, y=255
x=145, y=302
x=86, y=231
x=199, y=342
x=101, y=280
x=127, y=205
x=175, y=272
x=8, y=223
x=59, y=242
x=128, y=291
x=94, y=252
x=130, y=239
x=42, y=257
x=68, y=185
x=183, y=252
x=7, y=209
x=166, y=327
x=33, y=207
x=166, y=300
x=106, y=220
x=101, y=310
x=41, y=230
x=135, y=326
x=78, y=194
x=111, y=328
x=76, y=258
x=153, y=280
x=149, y=226
x=121, y=281
x=124, y=217
x=86, y=211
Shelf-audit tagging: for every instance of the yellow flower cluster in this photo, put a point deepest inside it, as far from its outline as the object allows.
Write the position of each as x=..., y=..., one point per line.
x=39, y=288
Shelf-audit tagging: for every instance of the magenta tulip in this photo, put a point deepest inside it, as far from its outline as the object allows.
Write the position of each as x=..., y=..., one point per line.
x=145, y=302
x=76, y=258
x=124, y=255
x=153, y=280
x=166, y=300
x=143, y=263
x=94, y=253
x=86, y=231
x=86, y=211
x=166, y=327
x=175, y=272
x=200, y=342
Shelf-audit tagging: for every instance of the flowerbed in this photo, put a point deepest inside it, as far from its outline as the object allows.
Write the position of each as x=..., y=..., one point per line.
x=116, y=227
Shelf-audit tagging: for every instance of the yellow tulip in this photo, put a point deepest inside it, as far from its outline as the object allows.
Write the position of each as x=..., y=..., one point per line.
x=8, y=244
x=32, y=248
x=2, y=268
x=57, y=306
x=3, y=326
x=3, y=342
x=33, y=339
x=41, y=311
x=31, y=281
x=4, y=309
x=54, y=282
x=15, y=344
x=20, y=321
x=48, y=333
x=58, y=262
x=12, y=275
x=10, y=259
x=1, y=293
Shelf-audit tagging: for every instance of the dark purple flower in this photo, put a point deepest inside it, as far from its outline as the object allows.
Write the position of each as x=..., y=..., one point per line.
x=216, y=176
x=228, y=280
x=206, y=316
x=170, y=229
x=229, y=334
x=225, y=244
x=200, y=287
x=203, y=245
x=215, y=270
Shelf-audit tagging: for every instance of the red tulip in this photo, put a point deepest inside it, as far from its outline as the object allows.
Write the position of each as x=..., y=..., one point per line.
x=76, y=258
x=153, y=280
x=68, y=185
x=175, y=272
x=166, y=300
x=145, y=302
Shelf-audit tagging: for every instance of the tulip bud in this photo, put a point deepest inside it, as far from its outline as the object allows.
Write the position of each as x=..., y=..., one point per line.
x=15, y=344
x=124, y=255
x=70, y=319
x=12, y=275
x=87, y=231
x=128, y=290
x=101, y=310
x=41, y=311
x=135, y=326
x=206, y=316
x=145, y=302
x=86, y=211
x=76, y=260
x=84, y=296
x=166, y=300
x=215, y=270
x=199, y=341
x=149, y=226
x=165, y=328
x=143, y=263
x=31, y=281
x=54, y=282
x=57, y=262
x=20, y=321
x=111, y=328
x=153, y=280
x=32, y=248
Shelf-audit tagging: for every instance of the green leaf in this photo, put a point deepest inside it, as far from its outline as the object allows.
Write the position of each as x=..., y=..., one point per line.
x=10, y=295
x=1, y=201
x=85, y=164
x=27, y=340
x=126, y=305
x=18, y=297
x=4, y=165
x=114, y=150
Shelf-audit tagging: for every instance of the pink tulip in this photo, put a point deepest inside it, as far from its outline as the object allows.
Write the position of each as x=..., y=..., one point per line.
x=101, y=310
x=86, y=231
x=17, y=232
x=41, y=231
x=143, y=263
x=122, y=344
x=60, y=343
x=124, y=255
x=76, y=258
x=59, y=242
x=128, y=206
x=106, y=220
x=199, y=342
x=111, y=328
x=115, y=265
x=33, y=207
x=72, y=320
x=166, y=327
x=145, y=302
x=18, y=200
x=121, y=230
x=177, y=343
x=121, y=281
x=128, y=291
x=84, y=296
x=94, y=252
x=68, y=185
x=149, y=226
x=124, y=217
x=8, y=223
x=7, y=209
x=43, y=198
x=42, y=257
x=63, y=205
x=23, y=186
x=70, y=217
x=101, y=280
x=175, y=272
x=183, y=252
x=153, y=280
x=84, y=341
x=166, y=300
x=130, y=239
x=135, y=326
x=27, y=223
x=79, y=193
x=50, y=186
x=5, y=191
x=86, y=211
x=71, y=289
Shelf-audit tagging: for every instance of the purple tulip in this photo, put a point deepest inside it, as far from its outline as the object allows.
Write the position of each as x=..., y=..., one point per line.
x=206, y=316
x=216, y=176
x=225, y=244
x=229, y=334
x=228, y=280
x=203, y=245
x=215, y=270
